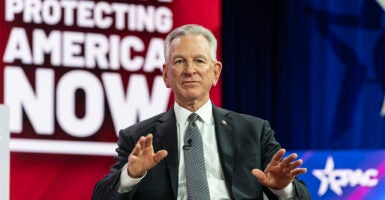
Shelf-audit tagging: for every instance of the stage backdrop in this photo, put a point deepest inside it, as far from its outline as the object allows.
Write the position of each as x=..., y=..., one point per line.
x=74, y=73
x=314, y=68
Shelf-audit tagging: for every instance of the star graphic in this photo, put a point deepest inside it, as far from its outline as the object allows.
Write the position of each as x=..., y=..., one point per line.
x=328, y=176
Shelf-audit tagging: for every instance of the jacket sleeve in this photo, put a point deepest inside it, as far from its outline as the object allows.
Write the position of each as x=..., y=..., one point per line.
x=300, y=190
x=107, y=187
x=270, y=147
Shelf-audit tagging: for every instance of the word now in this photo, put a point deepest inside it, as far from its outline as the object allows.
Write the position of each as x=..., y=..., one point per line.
x=45, y=101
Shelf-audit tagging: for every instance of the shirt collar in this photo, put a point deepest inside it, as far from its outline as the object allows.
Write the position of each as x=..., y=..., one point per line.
x=205, y=113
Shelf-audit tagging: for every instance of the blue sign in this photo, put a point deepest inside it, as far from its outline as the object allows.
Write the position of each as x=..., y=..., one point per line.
x=349, y=175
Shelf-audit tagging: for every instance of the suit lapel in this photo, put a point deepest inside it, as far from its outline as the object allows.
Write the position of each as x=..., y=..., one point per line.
x=224, y=133
x=167, y=132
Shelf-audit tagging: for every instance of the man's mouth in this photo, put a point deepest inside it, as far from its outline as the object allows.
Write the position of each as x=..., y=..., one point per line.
x=189, y=82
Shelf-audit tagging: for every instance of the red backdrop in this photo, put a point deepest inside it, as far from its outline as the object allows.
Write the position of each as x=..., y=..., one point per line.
x=56, y=80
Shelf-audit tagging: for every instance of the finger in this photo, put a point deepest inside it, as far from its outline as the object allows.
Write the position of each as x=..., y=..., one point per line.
x=295, y=164
x=148, y=141
x=160, y=155
x=141, y=143
x=278, y=156
x=138, y=146
x=137, y=149
x=286, y=161
x=258, y=174
x=298, y=171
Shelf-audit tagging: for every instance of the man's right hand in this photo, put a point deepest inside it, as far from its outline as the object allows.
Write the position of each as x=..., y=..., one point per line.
x=143, y=158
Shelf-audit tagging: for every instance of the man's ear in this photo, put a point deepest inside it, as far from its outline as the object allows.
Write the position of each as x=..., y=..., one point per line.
x=217, y=68
x=165, y=77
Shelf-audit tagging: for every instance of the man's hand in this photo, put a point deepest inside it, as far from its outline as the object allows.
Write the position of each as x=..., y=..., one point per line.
x=279, y=173
x=143, y=158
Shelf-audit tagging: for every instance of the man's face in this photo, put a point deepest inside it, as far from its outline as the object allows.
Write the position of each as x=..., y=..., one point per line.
x=190, y=71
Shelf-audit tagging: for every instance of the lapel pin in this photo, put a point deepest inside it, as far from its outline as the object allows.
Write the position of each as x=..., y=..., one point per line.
x=223, y=122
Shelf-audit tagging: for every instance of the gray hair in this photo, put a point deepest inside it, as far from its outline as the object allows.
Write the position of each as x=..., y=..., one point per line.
x=191, y=29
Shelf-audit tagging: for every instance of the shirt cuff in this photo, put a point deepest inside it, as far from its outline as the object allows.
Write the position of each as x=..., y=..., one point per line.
x=285, y=193
x=126, y=183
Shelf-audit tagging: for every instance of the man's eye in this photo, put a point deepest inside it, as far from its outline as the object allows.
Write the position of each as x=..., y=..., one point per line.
x=200, y=61
x=179, y=62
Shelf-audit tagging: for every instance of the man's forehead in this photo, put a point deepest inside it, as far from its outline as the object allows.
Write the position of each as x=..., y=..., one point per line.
x=186, y=56
x=187, y=38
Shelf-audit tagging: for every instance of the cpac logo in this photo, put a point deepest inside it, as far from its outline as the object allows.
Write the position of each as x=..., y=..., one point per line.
x=338, y=178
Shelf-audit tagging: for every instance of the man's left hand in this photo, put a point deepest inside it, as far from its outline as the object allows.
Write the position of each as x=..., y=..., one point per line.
x=279, y=173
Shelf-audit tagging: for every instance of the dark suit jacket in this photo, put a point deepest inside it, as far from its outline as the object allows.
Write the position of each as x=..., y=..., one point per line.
x=244, y=142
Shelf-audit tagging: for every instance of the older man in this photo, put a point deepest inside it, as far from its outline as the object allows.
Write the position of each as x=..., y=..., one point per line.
x=197, y=150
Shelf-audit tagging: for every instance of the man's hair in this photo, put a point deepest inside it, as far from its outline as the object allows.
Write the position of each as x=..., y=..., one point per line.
x=191, y=29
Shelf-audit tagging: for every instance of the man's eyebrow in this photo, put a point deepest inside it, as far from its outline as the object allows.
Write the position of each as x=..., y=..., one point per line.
x=200, y=56
x=177, y=56
x=194, y=57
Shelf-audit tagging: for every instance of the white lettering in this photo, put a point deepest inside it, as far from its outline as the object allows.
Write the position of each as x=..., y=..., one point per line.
x=96, y=51
x=46, y=44
x=164, y=20
x=114, y=52
x=66, y=103
x=72, y=49
x=38, y=104
x=12, y=7
x=121, y=11
x=128, y=45
x=145, y=18
x=77, y=101
x=79, y=50
x=137, y=99
x=338, y=178
x=90, y=14
x=32, y=11
x=18, y=47
x=154, y=57
x=84, y=14
x=102, y=9
x=69, y=9
x=51, y=12
x=370, y=179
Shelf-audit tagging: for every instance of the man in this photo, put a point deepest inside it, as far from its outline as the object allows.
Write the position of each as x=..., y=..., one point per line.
x=242, y=159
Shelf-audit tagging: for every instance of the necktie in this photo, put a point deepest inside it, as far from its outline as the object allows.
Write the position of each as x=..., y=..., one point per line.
x=196, y=179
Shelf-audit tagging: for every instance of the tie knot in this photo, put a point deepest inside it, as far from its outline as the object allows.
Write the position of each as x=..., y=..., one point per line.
x=193, y=117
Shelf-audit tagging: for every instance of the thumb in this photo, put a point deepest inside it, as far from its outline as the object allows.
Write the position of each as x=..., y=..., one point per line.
x=160, y=155
x=258, y=174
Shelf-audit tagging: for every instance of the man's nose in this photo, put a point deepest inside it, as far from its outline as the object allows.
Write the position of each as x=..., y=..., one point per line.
x=190, y=67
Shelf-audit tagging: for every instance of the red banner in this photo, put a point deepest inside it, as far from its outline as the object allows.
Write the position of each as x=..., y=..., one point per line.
x=76, y=72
